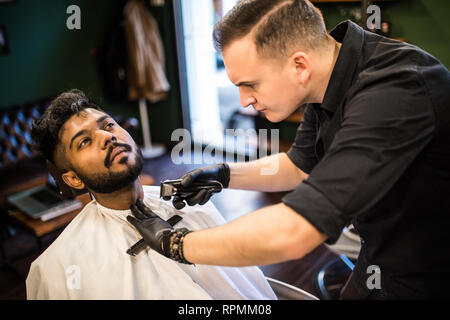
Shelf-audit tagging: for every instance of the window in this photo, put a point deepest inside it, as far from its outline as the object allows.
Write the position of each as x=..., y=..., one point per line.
x=210, y=101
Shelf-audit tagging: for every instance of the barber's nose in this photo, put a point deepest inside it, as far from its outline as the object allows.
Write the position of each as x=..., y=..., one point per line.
x=246, y=99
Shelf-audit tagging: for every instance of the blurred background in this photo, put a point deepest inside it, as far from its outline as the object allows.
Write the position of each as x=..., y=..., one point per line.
x=40, y=57
x=45, y=58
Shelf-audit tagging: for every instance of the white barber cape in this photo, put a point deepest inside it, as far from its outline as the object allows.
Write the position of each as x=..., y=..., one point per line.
x=89, y=261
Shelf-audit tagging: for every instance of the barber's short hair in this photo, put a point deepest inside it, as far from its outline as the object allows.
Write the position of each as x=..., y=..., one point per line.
x=45, y=131
x=277, y=25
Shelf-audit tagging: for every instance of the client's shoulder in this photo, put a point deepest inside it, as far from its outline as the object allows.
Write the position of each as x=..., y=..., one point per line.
x=70, y=238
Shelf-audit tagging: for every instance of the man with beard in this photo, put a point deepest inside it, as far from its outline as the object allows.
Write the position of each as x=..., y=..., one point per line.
x=89, y=260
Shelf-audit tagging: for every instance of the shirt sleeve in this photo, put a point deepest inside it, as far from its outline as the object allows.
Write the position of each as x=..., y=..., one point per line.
x=302, y=152
x=381, y=134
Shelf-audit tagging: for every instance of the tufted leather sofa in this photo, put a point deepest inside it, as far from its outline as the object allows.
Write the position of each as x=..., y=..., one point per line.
x=15, y=129
x=19, y=162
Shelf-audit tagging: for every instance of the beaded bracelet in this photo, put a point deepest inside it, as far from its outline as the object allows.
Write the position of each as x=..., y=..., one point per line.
x=176, y=245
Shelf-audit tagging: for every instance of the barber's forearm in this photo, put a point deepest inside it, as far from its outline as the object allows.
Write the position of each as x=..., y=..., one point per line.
x=269, y=235
x=269, y=174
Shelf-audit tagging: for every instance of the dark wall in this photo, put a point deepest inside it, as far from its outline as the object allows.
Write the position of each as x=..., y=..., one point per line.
x=46, y=58
x=424, y=23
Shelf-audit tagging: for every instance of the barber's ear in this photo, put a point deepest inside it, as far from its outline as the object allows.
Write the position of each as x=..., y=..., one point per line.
x=72, y=180
x=301, y=64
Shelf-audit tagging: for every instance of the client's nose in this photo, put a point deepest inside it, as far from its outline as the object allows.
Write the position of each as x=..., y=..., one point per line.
x=106, y=138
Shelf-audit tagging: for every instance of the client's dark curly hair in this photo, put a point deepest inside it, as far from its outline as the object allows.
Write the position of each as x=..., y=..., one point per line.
x=45, y=130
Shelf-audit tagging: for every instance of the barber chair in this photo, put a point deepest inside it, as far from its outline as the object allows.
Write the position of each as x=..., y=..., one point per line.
x=285, y=291
x=332, y=277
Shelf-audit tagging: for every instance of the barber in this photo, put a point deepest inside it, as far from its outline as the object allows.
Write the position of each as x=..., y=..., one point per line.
x=372, y=150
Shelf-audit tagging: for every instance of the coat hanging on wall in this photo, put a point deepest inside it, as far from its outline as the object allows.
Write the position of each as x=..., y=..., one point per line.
x=146, y=74
x=146, y=65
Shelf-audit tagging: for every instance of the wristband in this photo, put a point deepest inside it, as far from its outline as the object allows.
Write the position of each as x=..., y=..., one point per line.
x=225, y=175
x=176, y=245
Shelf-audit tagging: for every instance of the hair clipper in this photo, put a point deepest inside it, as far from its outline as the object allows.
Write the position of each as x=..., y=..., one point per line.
x=171, y=188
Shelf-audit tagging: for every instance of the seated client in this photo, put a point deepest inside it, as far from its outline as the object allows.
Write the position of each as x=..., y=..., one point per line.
x=89, y=260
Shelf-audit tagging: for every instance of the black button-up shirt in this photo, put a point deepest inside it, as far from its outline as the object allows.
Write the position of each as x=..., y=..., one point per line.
x=378, y=153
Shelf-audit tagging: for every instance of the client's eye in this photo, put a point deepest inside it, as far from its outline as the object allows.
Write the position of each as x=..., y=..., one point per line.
x=83, y=142
x=109, y=125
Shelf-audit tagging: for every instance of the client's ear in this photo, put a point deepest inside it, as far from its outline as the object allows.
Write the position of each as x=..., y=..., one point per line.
x=64, y=188
x=72, y=180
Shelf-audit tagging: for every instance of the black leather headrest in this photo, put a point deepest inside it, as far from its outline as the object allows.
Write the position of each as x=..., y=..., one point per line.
x=15, y=133
x=16, y=144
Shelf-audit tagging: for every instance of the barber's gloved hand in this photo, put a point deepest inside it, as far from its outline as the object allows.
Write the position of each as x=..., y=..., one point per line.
x=155, y=231
x=219, y=172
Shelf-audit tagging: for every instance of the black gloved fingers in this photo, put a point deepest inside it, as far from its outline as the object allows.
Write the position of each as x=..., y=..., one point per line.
x=206, y=198
x=195, y=199
x=190, y=177
x=220, y=172
x=144, y=209
x=178, y=203
x=137, y=213
x=135, y=222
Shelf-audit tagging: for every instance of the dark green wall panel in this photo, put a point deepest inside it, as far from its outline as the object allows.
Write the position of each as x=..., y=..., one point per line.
x=424, y=23
x=46, y=58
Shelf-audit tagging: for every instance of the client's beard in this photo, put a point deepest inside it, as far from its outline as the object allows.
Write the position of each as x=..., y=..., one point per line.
x=113, y=181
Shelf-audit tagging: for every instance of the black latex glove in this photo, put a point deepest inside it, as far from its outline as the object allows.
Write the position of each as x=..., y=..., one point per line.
x=154, y=230
x=219, y=172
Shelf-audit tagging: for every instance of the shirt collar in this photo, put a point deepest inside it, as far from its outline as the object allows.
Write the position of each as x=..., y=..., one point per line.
x=351, y=36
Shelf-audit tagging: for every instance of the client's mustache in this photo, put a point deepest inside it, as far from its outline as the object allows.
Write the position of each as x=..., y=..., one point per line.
x=110, y=150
